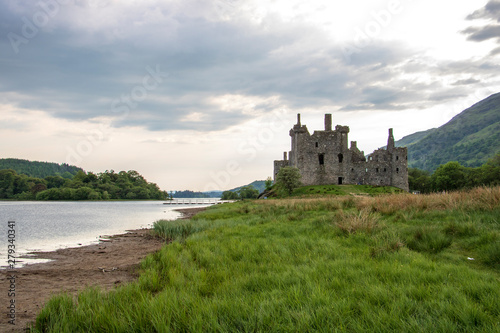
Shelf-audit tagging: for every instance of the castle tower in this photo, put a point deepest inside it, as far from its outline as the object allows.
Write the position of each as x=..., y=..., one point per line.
x=328, y=122
x=323, y=157
x=390, y=141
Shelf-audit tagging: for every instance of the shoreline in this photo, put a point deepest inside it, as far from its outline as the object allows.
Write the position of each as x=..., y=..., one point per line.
x=106, y=264
x=27, y=250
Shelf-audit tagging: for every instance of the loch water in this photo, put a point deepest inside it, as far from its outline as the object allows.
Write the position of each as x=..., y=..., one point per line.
x=47, y=226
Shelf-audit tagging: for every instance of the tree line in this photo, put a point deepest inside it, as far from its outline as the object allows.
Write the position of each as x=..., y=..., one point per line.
x=39, y=169
x=454, y=176
x=107, y=185
x=188, y=194
x=245, y=192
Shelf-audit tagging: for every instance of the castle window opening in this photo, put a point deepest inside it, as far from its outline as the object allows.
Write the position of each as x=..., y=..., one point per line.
x=397, y=157
x=385, y=170
x=376, y=169
x=321, y=159
x=340, y=180
x=316, y=145
x=397, y=170
x=341, y=158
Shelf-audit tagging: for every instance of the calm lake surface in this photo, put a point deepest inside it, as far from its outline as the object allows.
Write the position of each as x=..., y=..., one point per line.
x=47, y=226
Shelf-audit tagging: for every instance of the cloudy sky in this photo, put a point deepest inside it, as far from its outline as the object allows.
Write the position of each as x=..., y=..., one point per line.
x=200, y=94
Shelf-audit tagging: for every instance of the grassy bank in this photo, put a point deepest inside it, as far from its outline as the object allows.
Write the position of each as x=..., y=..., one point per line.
x=396, y=262
x=326, y=190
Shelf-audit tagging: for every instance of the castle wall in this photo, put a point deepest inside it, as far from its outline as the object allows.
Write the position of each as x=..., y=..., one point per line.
x=324, y=158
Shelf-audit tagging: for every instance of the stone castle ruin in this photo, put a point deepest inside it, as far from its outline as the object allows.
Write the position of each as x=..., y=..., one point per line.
x=324, y=158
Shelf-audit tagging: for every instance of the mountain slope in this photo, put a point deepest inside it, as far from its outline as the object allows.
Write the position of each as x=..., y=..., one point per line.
x=471, y=138
x=259, y=185
x=415, y=137
x=38, y=169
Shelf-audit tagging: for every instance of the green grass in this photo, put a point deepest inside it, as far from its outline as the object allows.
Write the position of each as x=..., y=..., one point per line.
x=322, y=190
x=393, y=263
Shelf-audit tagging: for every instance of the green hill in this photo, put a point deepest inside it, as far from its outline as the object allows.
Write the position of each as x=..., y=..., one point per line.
x=39, y=169
x=415, y=137
x=471, y=138
x=259, y=185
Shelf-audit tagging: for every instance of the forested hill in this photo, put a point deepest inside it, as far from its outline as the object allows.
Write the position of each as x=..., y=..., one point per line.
x=259, y=185
x=39, y=169
x=471, y=138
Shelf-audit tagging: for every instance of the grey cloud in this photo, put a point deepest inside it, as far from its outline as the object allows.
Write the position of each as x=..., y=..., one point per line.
x=490, y=10
x=465, y=82
x=464, y=67
x=477, y=34
x=495, y=51
x=446, y=95
x=77, y=74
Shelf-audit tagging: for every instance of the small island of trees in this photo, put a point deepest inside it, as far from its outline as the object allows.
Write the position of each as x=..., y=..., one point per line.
x=128, y=185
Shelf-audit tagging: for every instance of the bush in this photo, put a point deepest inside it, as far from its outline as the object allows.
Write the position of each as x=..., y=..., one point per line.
x=230, y=195
x=288, y=179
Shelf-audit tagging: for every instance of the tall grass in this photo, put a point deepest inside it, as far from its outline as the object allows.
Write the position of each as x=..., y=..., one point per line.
x=358, y=221
x=483, y=198
x=354, y=264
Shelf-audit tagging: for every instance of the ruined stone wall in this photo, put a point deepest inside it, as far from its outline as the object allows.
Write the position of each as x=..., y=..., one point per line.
x=379, y=168
x=324, y=158
x=278, y=165
x=400, y=168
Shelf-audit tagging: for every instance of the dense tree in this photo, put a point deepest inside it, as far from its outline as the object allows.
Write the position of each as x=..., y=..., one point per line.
x=489, y=173
x=288, y=179
x=55, y=181
x=450, y=176
x=39, y=169
x=248, y=192
x=268, y=183
x=454, y=176
x=82, y=186
x=419, y=180
x=190, y=194
x=230, y=195
x=244, y=192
